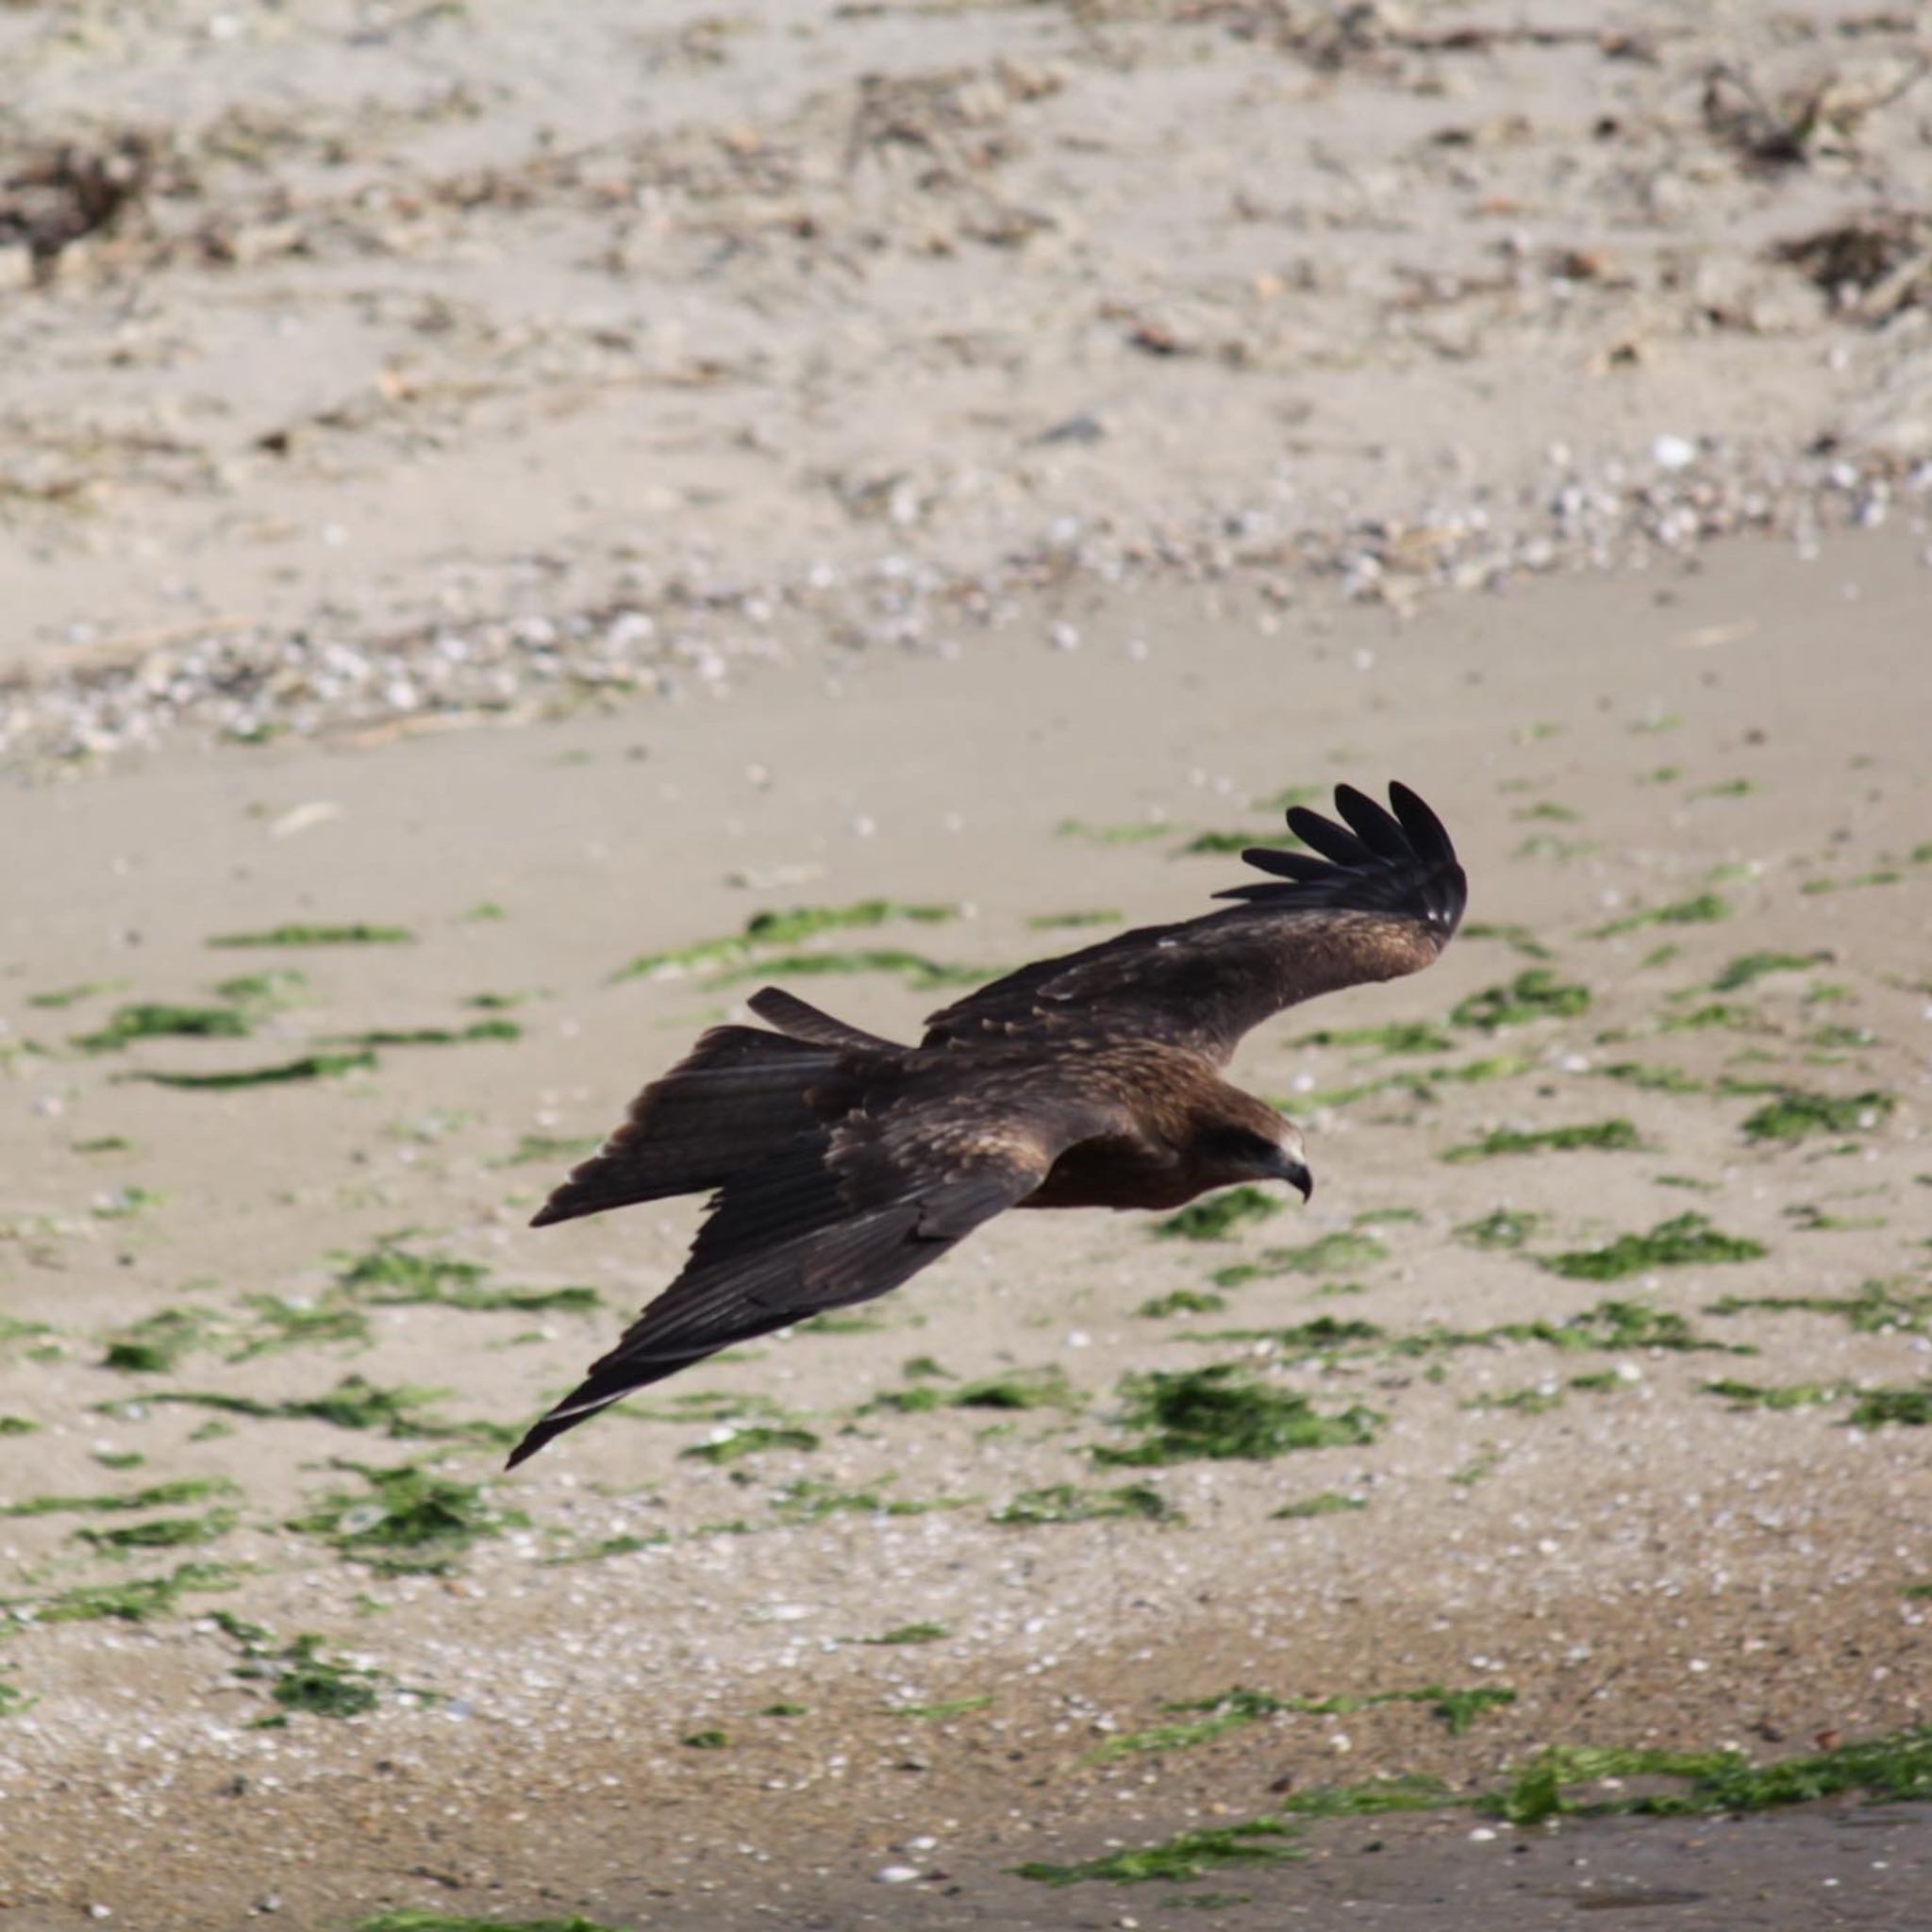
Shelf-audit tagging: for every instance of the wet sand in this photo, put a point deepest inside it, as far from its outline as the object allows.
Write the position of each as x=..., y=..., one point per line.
x=1640, y=1561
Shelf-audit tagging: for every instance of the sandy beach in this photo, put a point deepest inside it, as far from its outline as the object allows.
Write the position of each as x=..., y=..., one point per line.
x=523, y=527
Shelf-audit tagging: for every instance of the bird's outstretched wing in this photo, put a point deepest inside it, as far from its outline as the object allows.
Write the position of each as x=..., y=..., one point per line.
x=1373, y=897
x=844, y=1213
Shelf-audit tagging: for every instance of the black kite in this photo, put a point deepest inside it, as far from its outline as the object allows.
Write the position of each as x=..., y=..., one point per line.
x=844, y=1163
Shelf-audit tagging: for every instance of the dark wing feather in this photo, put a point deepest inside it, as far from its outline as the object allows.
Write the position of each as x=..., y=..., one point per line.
x=844, y=1214
x=737, y=1097
x=793, y=1016
x=1378, y=895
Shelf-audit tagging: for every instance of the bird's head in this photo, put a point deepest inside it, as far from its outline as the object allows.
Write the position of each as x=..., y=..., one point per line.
x=1260, y=1145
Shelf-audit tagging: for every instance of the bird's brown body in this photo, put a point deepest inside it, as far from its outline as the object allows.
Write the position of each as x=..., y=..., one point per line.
x=843, y=1163
x=1165, y=1151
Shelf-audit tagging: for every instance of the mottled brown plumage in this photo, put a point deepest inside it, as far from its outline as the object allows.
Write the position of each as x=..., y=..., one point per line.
x=843, y=1163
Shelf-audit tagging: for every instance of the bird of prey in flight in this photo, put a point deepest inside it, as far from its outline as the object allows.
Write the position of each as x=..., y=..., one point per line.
x=841, y=1163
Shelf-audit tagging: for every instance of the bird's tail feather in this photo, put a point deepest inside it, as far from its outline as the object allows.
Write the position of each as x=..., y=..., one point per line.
x=739, y=1096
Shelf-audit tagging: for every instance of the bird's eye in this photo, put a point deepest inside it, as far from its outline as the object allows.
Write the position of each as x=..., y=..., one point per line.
x=1240, y=1146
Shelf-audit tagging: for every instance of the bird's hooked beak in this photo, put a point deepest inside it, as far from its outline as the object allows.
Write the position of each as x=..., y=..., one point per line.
x=1295, y=1172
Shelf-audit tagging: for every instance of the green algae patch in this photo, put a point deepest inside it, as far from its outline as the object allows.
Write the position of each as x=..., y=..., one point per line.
x=157, y=1019
x=1012, y=1389
x=1223, y=1412
x=309, y=1066
x=263, y=992
x=1288, y=795
x=412, y=1919
x=1535, y=993
x=809, y=1501
x=354, y=1403
x=1204, y=843
x=1879, y=875
x=1793, y=1396
x=1689, y=1241
x=943, y=1711
x=1794, y=1114
x=124, y=1203
x=1504, y=1228
x=58, y=999
x=1068, y=1503
x=1323, y=1336
x=321, y=1686
x=1216, y=1218
x=923, y=974
x=605, y=1547
x=1459, y=1710
x=1880, y=1408
x=1716, y=1016
x=1407, y=1035
x=299, y=1324
x=1614, y=1325
x=1895, y=1766
x=1748, y=968
x=137, y=1601
x=1133, y=832
x=908, y=1632
x=1182, y=1301
x=550, y=1149
x=1609, y=1326
x=156, y=1344
x=1421, y=1084
x=804, y=921
x=1613, y=1135
x=1531, y=1401
x=161, y=1532
x=1234, y=1710
x=156, y=1496
x=1376, y=1797
x=1519, y=938
x=12, y=1329
x=303, y=1678
x=1653, y=1079
x=1706, y=909
x=784, y=928
x=1876, y=1308
x=701, y=1406
x=1339, y=1253
x=1052, y=922
x=406, y=1520
x=755, y=1438
x=1326, y=1503
x=435, y=1036
x=17, y=1425
x=1192, y=1855
x=301, y=935
x=388, y=1275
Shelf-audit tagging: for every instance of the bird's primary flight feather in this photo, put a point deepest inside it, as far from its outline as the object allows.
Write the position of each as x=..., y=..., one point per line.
x=841, y=1163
